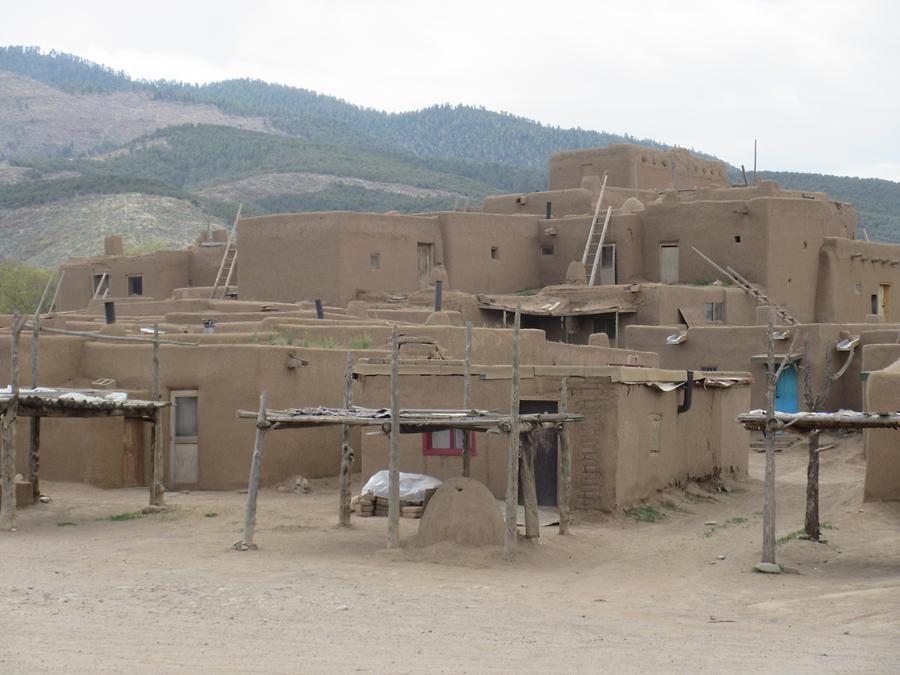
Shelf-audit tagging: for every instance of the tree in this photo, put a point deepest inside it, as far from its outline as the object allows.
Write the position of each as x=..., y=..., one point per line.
x=20, y=287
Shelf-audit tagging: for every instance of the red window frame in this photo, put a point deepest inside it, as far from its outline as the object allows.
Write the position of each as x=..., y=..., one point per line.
x=429, y=449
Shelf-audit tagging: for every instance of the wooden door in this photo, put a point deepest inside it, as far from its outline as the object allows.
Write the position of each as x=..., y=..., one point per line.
x=426, y=262
x=185, y=426
x=884, y=298
x=668, y=264
x=545, y=455
x=133, y=453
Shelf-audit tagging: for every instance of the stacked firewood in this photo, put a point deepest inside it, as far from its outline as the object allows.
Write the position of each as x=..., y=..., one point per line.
x=367, y=505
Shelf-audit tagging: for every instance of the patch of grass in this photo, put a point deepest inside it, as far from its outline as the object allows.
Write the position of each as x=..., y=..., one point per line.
x=67, y=524
x=128, y=515
x=712, y=529
x=828, y=526
x=789, y=537
x=328, y=343
x=669, y=505
x=646, y=513
x=211, y=514
x=360, y=342
x=527, y=292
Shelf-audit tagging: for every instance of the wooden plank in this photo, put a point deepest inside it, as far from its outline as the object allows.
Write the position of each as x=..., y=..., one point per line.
x=512, y=459
x=157, y=491
x=34, y=446
x=246, y=542
x=564, y=484
x=599, y=253
x=529, y=488
x=393, y=536
x=346, y=448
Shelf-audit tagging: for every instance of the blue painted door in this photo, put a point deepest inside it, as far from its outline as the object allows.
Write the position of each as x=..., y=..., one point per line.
x=786, y=391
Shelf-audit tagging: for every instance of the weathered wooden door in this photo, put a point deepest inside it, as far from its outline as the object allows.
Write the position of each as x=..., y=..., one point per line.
x=133, y=453
x=185, y=425
x=884, y=299
x=426, y=262
x=668, y=263
x=545, y=455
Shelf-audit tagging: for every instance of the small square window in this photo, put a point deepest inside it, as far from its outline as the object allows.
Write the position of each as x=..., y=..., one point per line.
x=495, y=252
x=546, y=250
x=737, y=239
x=374, y=261
x=448, y=442
x=873, y=303
x=136, y=284
x=709, y=369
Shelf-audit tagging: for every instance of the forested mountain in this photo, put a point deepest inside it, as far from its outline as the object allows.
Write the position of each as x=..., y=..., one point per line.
x=74, y=130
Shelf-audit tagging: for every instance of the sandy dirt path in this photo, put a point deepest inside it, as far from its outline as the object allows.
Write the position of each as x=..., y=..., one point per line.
x=80, y=592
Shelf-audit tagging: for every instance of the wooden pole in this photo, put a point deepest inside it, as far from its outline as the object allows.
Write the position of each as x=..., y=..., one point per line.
x=8, y=454
x=115, y=338
x=529, y=489
x=253, y=484
x=346, y=448
x=34, y=423
x=599, y=255
x=393, y=536
x=157, y=491
x=512, y=460
x=59, y=281
x=564, y=477
x=467, y=374
x=587, y=246
x=768, y=543
x=811, y=522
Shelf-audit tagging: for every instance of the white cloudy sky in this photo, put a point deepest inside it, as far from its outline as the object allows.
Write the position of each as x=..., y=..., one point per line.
x=816, y=81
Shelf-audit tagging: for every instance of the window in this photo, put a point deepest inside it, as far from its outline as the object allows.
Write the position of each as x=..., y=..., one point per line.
x=709, y=369
x=374, y=261
x=737, y=239
x=873, y=304
x=135, y=284
x=495, y=252
x=547, y=250
x=99, y=284
x=715, y=311
x=857, y=288
x=446, y=442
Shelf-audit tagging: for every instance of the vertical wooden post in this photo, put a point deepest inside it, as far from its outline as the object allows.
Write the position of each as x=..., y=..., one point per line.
x=59, y=281
x=564, y=476
x=768, y=544
x=346, y=448
x=157, y=492
x=529, y=489
x=393, y=538
x=253, y=485
x=34, y=423
x=512, y=459
x=8, y=450
x=467, y=375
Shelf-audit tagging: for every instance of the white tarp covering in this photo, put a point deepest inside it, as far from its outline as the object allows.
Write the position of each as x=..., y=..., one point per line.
x=112, y=396
x=412, y=485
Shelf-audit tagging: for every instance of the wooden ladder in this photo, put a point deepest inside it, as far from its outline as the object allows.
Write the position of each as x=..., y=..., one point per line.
x=593, y=248
x=100, y=285
x=747, y=287
x=229, y=258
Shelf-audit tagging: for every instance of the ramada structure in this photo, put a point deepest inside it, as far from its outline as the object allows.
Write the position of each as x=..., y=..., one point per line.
x=643, y=279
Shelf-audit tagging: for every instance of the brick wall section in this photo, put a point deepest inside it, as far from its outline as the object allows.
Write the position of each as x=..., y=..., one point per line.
x=594, y=442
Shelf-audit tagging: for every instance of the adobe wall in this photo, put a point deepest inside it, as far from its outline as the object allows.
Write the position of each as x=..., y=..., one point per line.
x=634, y=166
x=850, y=272
x=468, y=240
x=882, y=465
x=306, y=256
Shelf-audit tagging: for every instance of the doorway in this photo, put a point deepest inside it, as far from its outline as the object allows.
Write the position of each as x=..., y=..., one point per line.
x=884, y=297
x=133, y=453
x=668, y=263
x=185, y=425
x=545, y=454
x=425, y=253
x=786, y=391
x=608, y=265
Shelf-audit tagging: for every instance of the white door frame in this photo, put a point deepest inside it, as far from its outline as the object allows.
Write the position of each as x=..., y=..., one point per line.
x=184, y=440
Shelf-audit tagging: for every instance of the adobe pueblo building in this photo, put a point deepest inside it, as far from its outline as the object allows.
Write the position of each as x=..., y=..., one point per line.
x=642, y=277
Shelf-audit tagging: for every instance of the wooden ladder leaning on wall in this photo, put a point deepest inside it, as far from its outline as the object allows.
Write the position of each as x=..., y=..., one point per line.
x=229, y=258
x=593, y=248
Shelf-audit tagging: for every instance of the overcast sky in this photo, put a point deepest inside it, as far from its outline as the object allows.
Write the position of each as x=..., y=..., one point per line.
x=817, y=82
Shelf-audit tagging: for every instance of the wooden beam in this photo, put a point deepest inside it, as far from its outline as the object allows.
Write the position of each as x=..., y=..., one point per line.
x=34, y=445
x=564, y=477
x=8, y=425
x=393, y=536
x=529, y=489
x=157, y=491
x=114, y=338
x=246, y=542
x=62, y=275
x=346, y=448
x=512, y=459
x=467, y=374
x=806, y=422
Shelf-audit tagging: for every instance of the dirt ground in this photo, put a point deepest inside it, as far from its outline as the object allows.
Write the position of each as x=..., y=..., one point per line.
x=82, y=592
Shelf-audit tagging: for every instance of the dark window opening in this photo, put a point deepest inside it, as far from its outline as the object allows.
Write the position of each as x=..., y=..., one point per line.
x=605, y=323
x=546, y=250
x=737, y=239
x=495, y=253
x=136, y=284
x=874, y=304
x=99, y=284
x=714, y=311
x=374, y=261
x=709, y=369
